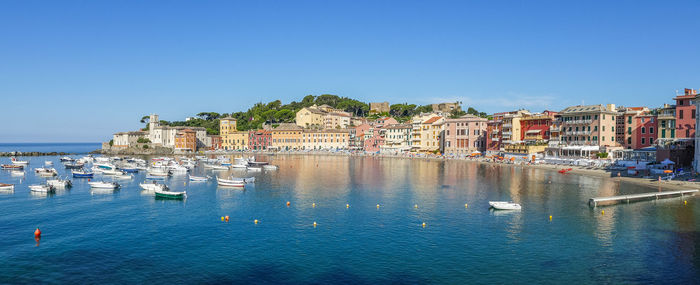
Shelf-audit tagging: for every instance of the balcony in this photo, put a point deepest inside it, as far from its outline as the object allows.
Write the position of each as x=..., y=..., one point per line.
x=507, y=125
x=507, y=133
x=578, y=122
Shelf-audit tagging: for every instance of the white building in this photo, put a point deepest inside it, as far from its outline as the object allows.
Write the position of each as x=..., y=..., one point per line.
x=397, y=138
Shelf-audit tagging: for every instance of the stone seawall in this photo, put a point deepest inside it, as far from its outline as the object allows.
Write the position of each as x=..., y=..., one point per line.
x=32, y=153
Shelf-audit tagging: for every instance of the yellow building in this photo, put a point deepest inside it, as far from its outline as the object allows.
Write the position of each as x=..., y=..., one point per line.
x=286, y=136
x=227, y=126
x=325, y=139
x=430, y=132
x=322, y=117
x=238, y=141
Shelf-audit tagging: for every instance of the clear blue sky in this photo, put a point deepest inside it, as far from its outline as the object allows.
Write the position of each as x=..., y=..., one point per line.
x=82, y=70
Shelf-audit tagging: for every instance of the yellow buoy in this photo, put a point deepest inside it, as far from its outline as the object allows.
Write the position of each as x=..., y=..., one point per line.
x=222, y=218
x=415, y=206
x=377, y=206
x=602, y=212
x=314, y=224
x=256, y=222
x=313, y=205
x=685, y=202
x=347, y=205
x=466, y=205
x=550, y=217
x=424, y=224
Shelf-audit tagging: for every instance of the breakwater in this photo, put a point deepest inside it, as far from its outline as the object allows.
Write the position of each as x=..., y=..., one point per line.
x=32, y=153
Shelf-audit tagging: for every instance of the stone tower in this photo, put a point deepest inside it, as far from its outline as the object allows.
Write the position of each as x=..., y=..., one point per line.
x=153, y=122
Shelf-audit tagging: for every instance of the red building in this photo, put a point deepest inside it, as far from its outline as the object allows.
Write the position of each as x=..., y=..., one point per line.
x=685, y=114
x=537, y=127
x=259, y=140
x=216, y=142
x=493, y=132
x=646, y=131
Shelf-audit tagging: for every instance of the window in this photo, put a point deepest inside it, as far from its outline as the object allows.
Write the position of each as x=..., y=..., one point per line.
x=692, y=114
x=595, y=128
x=663, y=123
x=673, y=133
x=643, y=130
x=603, y=128
x=629, y=119
x=602, y=138
x=680, y=114
x=663, y=133
x=651, y=130
x=629, y=140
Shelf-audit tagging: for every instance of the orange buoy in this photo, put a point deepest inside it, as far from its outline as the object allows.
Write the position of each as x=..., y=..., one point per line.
x=226, y=218
x=288, y=203
x=88, y=179
x=37, y=233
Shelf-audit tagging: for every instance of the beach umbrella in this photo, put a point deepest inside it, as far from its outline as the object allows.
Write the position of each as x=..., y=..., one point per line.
x=668, y=171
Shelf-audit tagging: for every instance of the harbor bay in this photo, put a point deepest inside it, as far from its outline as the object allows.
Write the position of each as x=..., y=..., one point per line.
x=349, y=220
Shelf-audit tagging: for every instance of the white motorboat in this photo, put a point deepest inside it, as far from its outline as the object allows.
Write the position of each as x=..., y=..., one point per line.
x=103, y=185
x=241, y=166
x=178, y=169
x=41, y=188
x=66, y=159
x=199, y=178
x=153, y=186
x=6, y=187
x=59, y=183
x=19, y=162
x=502, y=205
x=158, y=172
x=107, y=166
x=46, y=171
x=270, y=167
x=254, y=168
x=229, y=183
x=112, y=172
x=215, y=166
x=17, y=173
x=48, y=163
x=123, y=175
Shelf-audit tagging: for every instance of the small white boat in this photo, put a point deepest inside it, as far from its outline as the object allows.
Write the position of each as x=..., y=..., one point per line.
x=229, y=183
x=158, y=172
x=199, y=178
x=6, y=187
x=48, y=163
x=243, y=166
x=164, y=194
x=59, y=183
x=502, y=205
x=41, y=188
x=47, y=172
x=19, y=162
x=17, y=173
x=123, y=175
x=104, y=185
x=216, y=167
x=254, y=168
x=112, y=172
x=66, y=158
x=153, y=186
x=270, y=167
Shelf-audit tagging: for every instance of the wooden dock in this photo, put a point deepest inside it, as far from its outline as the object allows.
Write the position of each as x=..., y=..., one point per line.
x=593, y=202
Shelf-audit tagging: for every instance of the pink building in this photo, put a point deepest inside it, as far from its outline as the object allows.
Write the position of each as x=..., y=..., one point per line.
x=465, y=135
x=385, y=121
x=685, y=114
x=646, y=131
x=373, y=140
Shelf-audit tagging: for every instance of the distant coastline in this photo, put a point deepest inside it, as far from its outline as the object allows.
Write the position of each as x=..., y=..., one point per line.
x=57, y=147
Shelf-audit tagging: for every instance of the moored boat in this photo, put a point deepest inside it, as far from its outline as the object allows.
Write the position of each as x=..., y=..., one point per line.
x=199, y=178
x=502, y=205
x=270, y=167
x=12, y=166
x=6, y=187
x=82, y=173
x=229, y=183
x=48, y=163
x=66, y=159
x=18, y=162
x=45, y=171
x=41, y=188
x=164, y=194
x=153, y=186
x=103, y=185
x=74, y=165
x=59, y=183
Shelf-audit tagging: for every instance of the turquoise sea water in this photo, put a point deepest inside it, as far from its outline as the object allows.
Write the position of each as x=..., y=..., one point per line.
x=50, y=147
x=129, y=237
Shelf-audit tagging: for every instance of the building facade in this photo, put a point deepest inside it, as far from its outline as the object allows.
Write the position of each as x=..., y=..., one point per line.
x=126, y=139
x=286, y=136
x=666, y=116
x=446, y=107
x=646, y=131
x=259, y=139
x=330, y=139
x=686, y=114
x=465, y=135
x=379, y=107
x=397, y=138
x=591, y=125
x=186, y=140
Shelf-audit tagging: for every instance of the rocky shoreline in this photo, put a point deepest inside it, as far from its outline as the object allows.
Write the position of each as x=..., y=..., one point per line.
x=33, y=153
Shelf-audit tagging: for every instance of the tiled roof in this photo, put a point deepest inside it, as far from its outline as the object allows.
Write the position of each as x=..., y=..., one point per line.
x=432, y=120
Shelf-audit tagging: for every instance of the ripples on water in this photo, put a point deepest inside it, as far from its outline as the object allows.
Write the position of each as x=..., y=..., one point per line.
x=129, y=237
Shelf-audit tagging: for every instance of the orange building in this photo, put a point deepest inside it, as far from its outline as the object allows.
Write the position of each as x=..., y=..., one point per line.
x=186, y=140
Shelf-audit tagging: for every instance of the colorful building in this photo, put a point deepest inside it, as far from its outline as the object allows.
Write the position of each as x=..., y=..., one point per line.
x=227, y=126
x=397, y=138
x=186, y=140
x=667, y=123
x=536, y=128
x=685, y=114
x=431, y=133
x=259, y=140
x=465, y=135
x=626, y=125
x=329, y=139
x=286, y=136
x=646, y=131
x=322, y=117
x=511, y=128
x=216, y=142
x=591, y=125
x=237, y=140
x=494, y=128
